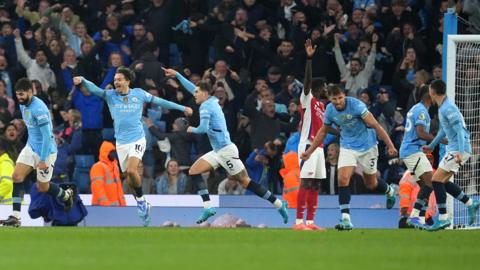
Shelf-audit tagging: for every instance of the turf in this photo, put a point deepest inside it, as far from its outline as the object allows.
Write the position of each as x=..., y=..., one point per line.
x=182, y=248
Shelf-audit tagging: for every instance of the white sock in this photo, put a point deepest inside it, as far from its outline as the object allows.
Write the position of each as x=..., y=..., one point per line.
x=391, y=191
x=277, y=203
x=415, y=213
x=298, y=221
x=207, y=204
x=443, y=216
x=469, y=202
x=422, y=220
x=345, y=216
x=309, y=222
x=16, y=214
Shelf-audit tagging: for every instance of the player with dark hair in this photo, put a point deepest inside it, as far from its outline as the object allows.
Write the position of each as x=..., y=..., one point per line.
x=224, y=153
x=358, y=144
x=313, y=169
x=126, y=107
x=459, y=149
x=40, y=152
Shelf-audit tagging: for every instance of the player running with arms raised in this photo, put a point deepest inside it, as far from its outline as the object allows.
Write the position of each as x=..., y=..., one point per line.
x=224, y=153
x=126, y=107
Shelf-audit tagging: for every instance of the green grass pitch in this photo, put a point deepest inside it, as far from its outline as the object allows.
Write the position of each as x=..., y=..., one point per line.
x=227, y=249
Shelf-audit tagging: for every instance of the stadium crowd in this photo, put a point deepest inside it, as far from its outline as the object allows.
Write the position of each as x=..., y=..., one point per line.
x=250, y=51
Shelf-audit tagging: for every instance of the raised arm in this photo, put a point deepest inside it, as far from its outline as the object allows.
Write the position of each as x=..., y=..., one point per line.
x=307, y=82
x=339, y=57
x=89, y=86
x=167, y=104
x=22, y=56
x=185, y=83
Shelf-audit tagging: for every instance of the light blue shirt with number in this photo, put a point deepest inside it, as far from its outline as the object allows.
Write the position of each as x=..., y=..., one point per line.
x=417, y=116
x=39, y=126
x=354, y=132
x=126, y=110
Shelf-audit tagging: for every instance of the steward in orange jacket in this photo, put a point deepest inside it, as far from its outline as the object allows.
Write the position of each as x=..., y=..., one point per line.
x=105, y=179
x=291, y=178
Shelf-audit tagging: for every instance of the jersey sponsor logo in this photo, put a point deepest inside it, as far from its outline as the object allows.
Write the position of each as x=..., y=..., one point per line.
x=43, y=116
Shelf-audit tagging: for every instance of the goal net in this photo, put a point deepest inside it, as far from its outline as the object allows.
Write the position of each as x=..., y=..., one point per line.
x=463, y=86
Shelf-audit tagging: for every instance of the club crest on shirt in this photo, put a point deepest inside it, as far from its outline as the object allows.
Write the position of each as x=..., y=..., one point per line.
x=135, y=99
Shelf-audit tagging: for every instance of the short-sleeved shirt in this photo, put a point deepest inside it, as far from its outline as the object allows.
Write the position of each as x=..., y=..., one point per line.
x=313, y=111
x=354, y=132
x=37, y=115
x=126, y=111
x=450, y=116
x=417, y=116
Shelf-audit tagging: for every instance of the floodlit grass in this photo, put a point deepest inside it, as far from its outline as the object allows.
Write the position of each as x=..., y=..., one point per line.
x=189, y=248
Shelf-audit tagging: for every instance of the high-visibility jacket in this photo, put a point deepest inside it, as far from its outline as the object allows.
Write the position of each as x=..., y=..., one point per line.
x=291, y=178
x=6, y=184
x=105, y=179
x=408, y=195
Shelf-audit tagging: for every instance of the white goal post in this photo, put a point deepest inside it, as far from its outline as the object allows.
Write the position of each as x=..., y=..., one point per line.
x=463, y=86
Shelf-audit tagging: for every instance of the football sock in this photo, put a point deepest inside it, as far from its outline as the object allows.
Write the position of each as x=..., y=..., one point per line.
x=202, y=190
x=344, y=201
x=56, y=191
x=264, y=193
x=301, y=203
x=456, y=192
x=441, y=197
x=383, y=188
x=17, y=194
x=422, y=200
x=312, y=201
x=138, y=192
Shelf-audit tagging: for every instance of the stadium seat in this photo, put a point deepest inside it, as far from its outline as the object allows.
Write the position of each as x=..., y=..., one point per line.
x=81, y=173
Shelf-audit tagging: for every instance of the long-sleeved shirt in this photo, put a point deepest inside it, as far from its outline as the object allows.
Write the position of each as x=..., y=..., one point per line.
x=126, y=110
x=212, y=120
x=359, y=81
x=43, y=73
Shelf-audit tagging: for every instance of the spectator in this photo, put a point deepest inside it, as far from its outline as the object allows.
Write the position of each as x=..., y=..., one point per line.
x=7, y=76
x=105, y=179
x=3, y=94
x=230, y=186
x=180, y=140
x=147, y=68
x=355, y=77
x=383, y=110
x=403, y=80
x=172, y=181
x=422, y=77
x=14, y=143
x=38, y=68
x=265, y=126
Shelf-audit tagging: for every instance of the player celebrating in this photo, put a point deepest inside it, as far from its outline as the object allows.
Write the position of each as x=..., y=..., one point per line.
x=358, y=144
x=459, y=149
x=40, y=152
x=126, y=106
x=416, y=135
x=224, y=153
x=312, y=170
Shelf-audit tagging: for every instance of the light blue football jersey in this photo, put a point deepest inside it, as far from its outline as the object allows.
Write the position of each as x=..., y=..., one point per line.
x=417, y=116
x=450, y=118
x=126, y=110
x=36, y=115
x=212, y=122
x=354, y=133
